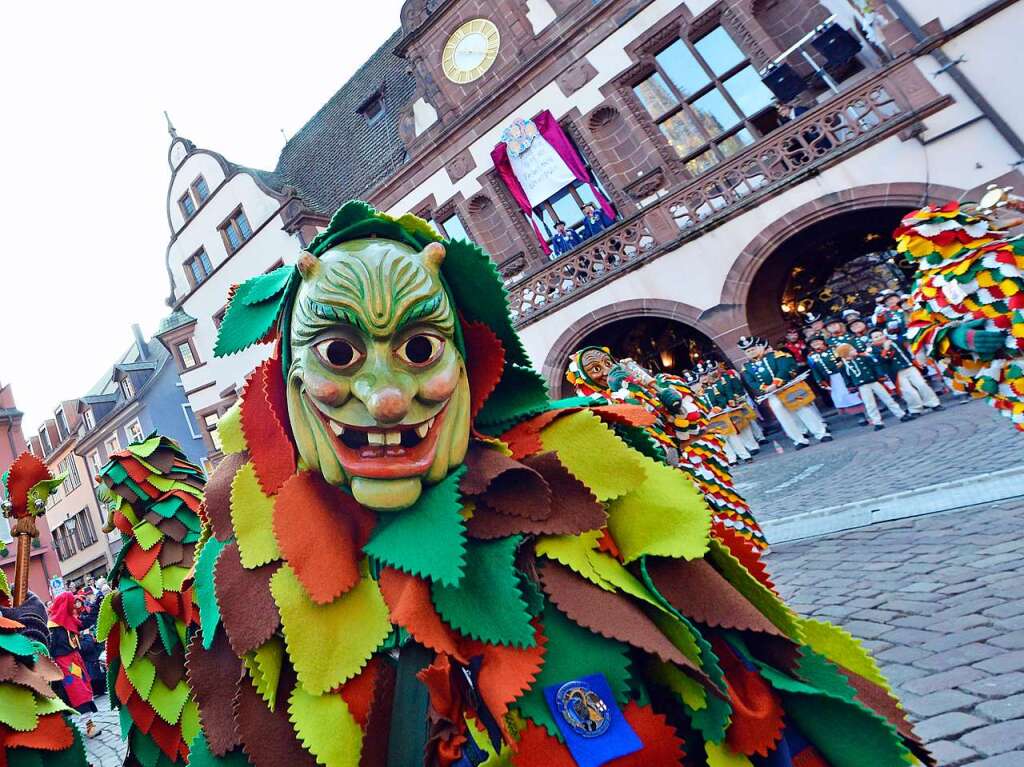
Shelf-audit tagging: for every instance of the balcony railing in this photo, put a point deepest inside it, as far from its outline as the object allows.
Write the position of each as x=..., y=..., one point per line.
x=875, y=108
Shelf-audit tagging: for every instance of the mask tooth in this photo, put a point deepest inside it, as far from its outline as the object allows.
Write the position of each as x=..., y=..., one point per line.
x=375, y=437
x=422, y=429
x=392, y=438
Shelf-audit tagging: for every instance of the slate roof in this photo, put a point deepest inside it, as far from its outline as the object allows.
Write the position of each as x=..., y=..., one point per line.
x=338, y=154
x=175, y=319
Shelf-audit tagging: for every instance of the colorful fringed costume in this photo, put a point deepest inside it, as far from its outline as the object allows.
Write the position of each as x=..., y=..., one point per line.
x=415, y=558
x=682, y=427
x=970, y=282
x=153, y=494
x=35, y=728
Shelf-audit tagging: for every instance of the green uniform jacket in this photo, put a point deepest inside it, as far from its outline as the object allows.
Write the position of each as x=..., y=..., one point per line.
x=758, y=375
x=860, y=343
x=823, y=365
x=892, y=360
x=860, y=370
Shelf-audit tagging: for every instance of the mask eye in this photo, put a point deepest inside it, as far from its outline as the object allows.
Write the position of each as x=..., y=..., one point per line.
x=420, y=350
x=338, y=353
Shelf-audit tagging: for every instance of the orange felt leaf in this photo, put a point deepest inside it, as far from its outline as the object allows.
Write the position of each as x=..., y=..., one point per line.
x=8, y=623
x=538, y=749
x=321, y=531
x=358, y=691
x=662, y=746
x=123, y=686
x=757, y=716
x=152, y=605
x=506, y=672
x=264, y=420
x=139, y=561
x=26, y=472
x=52, y=733
x=627, y=415
x=410, y=606
x=485, y=361
x=121, y=523
x=523, y=439
x=607, y=544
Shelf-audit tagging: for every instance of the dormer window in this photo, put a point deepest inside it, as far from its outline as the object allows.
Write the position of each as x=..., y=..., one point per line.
x=198, y=267
x=45, y=439
x=235, y=230
x=90, y=420
x=200, y=189
x=188, y=207
x=373, y=108
x=62, y=423
x=126, y=388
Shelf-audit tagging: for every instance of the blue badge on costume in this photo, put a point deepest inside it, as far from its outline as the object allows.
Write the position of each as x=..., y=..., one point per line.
x=594, y=728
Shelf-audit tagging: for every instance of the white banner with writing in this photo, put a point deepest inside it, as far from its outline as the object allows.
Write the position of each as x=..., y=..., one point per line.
x=540, y=171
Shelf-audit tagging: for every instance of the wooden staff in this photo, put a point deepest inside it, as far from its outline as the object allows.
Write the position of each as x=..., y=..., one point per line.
x=24, y=531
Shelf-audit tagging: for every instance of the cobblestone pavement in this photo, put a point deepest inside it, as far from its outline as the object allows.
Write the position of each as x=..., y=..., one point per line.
x=965, y=439
x=106, y=749
x=939, y=600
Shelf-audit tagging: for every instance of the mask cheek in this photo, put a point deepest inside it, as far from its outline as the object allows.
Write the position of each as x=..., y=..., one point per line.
x=329, y=391
x=438, y=384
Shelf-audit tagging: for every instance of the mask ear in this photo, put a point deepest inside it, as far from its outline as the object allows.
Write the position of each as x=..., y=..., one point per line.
x=308, y=265
x=433, y=256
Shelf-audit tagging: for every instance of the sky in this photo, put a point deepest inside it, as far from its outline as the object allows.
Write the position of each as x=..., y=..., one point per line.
x=84, y=175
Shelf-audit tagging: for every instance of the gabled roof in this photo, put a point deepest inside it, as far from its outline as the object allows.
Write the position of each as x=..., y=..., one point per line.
x=176, y=319
x=339, y=154
x=128, y=367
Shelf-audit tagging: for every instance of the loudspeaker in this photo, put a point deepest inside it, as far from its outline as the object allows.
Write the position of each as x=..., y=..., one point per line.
x=836, y=44
x=784, y=82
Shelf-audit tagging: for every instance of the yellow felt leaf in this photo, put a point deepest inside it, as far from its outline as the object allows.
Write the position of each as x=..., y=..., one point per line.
x=720, y=755
x=326, y=728
x=264, y=666
x=153, y=580
x=129, y=512
x=252, y=514
x=142, y=674
x=52, y=705
x=129, y=642
x=839, y=646
x=174, y=577
x=588, y=448
x=189, y=721
x=169, y=702
x=613, y=572
x=689, y=690
x=17, y=707
x=665, y=516
x=229, y=427
x=329, y=644
x=573, y=552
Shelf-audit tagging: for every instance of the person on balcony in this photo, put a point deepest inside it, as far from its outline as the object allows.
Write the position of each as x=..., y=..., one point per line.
x=563, y=240
x=594, y=221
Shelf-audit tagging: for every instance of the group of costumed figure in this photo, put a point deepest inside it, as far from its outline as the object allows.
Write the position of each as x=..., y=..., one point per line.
x=410, y=555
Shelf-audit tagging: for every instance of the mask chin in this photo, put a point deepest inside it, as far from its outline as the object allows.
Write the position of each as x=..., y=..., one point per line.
x=387, y=494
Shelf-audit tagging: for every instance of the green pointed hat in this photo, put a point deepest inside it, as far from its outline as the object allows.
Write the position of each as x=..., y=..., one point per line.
x=259, y=310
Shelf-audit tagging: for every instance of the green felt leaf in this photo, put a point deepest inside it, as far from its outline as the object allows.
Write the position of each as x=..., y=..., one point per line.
x=106, y=618
x=113, y=666
x=190, y=724
x=252, y=517
x=17, y=707
x=168, y=636
x=427, y=540
x=521, y=392
x=168, y=507
x=773, y=608
x=570, y=653
x=245, y=324
x=326, y=727
x=20, y=757
x=145, y=448
x=147, y=535
x=199, y=755
x=264, y=667
x=153, y=581
x=125, y=718
x=167, y=702
x=144, y=748
x=141, y=673
x=5, y=588
x=360, y=615
x=206, y=597
x=133, y=602
x=267, y=285
x=839, y=646
x=129, y=644
x=16, y=644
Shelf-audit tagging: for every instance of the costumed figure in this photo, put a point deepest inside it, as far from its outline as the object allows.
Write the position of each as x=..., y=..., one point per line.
x=725, y=391
x=968, y=298
x=415, y=558
x=895, y=360
x=813, y=325
x=774, y=376
x=888, y=312
x=825, y=369
x=35, y=723
x=66, y=649
x=863, y=373
x=837, y=332
x=681, y=421
x=153, y=495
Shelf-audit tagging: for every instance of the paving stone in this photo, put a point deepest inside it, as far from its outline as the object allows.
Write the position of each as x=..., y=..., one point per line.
x=1003, y=663
x=947, y=725
x=1013, y=640
x=949, y=753
x=1002, y=709
x=1001, y=686
x=1009, y=759
x=996, y=738
x=935, y=703
x=959, y=656
x=945, y=680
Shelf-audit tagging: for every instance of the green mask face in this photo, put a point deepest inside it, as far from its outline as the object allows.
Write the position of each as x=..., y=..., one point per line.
x=378, y=394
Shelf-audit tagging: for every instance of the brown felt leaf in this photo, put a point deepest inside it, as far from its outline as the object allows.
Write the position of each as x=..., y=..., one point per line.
x=171, y=668
x=574, y=509
x=700, y=593
x=148, y=634
x=609, y=614
x=267, y=736
x=218, y=494
x=246, y=605
x=171, y=553
x=504, y=484
x=13, y=671
x=321, y=531
x=880, y=701
x=162, y=460
x=214, y=675
x=172, y=528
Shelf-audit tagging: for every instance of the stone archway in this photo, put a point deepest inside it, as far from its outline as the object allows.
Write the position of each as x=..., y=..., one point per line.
x=574, y=336
x=742, y=281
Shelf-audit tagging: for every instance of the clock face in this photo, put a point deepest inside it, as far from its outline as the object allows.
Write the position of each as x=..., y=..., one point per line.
x=470, y=51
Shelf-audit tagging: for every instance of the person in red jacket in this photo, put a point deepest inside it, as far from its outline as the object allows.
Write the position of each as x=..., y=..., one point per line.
x=65, y=647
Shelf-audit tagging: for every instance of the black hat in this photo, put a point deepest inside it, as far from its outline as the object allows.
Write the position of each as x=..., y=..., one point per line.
x=747, y=342
x=834, y=318
x=810, y=318
x=691, y=377
x=818, y=337
x=884, y=294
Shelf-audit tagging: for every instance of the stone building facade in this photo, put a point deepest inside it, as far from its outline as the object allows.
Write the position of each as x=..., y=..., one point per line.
x=734, y=209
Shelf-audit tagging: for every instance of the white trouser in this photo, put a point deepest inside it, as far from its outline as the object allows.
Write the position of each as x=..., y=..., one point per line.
x=734, y=448
x=868, y=392
x=796, y=423
x=747, y=437
x=915, y=391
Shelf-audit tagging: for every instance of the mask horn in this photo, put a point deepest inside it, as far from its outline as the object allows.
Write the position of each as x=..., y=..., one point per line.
x=308, y=265
x=433, y=256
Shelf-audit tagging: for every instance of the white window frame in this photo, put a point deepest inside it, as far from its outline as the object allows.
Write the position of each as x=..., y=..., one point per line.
x=128, y=431
x=127, y=388
x=95, y=463
x=113, y=438
x=90, y=419
x=190, y=419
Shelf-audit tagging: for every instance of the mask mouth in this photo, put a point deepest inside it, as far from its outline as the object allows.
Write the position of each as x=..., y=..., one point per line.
x=384, y=452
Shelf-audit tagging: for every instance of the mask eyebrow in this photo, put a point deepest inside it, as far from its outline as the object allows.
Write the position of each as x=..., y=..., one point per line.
x=319, y=316
x=430, y=309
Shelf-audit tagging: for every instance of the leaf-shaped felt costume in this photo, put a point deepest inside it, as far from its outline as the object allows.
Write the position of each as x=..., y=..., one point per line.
x=680, y=437
x=559, y=549
x=153, y=494
x=969, y=276
x=35, y=727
